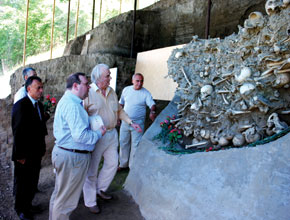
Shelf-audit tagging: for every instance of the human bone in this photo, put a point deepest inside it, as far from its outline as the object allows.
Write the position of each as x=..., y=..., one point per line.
x=247, y=88
x=177, y=55
x=245, y=73
x=251, y=135
x=255, y=20
x=223, y=141
x=206, y=91
x=272, y=6
x=274, y=125
x=238, y=140
x=281, y=80
x=286, y=3
x=247, y=80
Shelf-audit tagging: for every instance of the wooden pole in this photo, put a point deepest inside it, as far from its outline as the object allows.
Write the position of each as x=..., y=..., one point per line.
x=208, y=19
x=120, y=10
x=133, y=32
x=52, y=28
x=25, y=35
x=67, y=24
x=93, y=17
x=100, y=16
x=77, y=19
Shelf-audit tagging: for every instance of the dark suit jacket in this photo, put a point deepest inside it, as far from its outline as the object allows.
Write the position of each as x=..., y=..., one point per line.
x=28, y=130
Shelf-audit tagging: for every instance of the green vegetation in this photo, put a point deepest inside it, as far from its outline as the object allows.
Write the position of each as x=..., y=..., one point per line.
x=12, y=26
x=13, y=18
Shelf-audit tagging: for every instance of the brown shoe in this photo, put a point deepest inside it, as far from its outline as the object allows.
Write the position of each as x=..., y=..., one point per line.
x=104, y=195
x=94, y=209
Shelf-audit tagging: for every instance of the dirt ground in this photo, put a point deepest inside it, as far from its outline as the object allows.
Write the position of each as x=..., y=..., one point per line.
x=120, y=207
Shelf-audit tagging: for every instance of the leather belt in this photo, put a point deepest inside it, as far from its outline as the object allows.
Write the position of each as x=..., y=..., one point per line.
x=75, y=150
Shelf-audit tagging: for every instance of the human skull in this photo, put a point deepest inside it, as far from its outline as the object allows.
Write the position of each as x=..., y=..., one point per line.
x=251, y=135
x=238, y=140
x=273, y=5
x=246, y=88
x=205, y=133
x=206, y=91
x=285, y=3
x=244, y=74
x=178, y=54
x=274, y=125
x=255, y=20
x=281, y=80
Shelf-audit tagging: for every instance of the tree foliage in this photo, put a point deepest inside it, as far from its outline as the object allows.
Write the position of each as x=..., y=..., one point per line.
x=12, y=26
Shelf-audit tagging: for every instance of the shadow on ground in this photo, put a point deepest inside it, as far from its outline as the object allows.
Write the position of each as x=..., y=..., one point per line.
x=121, y=207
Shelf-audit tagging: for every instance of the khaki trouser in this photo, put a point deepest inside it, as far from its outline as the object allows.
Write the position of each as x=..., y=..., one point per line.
x=106, y=147
x=71, y=169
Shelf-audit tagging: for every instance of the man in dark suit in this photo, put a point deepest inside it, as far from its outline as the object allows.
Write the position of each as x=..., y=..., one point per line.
x=29, y=130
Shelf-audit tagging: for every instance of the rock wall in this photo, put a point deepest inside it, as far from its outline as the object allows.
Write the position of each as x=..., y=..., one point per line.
x=54, y=72
x=5, y=131
x=250, y=183
x=166, y=23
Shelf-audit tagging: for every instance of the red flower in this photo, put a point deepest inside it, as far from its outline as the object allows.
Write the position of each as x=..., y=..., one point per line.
x=172, y=131
x=166, y=121
x=53, y=101
x=209, y=149
x=48, y=97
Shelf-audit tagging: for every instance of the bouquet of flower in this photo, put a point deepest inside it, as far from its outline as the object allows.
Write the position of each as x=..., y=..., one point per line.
x=49, y=104
x=169, y=132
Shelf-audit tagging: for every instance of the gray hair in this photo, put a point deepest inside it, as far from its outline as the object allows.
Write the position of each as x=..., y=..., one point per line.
x=27, y=71
x=137, y=74
x=97, y=72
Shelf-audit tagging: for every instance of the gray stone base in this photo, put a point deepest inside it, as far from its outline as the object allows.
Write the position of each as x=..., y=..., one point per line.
x=246, y=183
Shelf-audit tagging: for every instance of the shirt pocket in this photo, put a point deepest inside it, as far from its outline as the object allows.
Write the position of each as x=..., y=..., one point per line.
x=114, y=106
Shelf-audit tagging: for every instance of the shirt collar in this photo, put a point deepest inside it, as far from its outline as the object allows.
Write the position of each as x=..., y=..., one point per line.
x=32, y=99
x=74, y=97
x=96, y=88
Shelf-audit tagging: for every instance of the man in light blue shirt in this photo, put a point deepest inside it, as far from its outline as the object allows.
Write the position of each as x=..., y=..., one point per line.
x=134, y=99
x=73, y=146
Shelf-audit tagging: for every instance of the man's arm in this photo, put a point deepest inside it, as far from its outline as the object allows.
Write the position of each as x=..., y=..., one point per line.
x=20, y=132
x=152, y=114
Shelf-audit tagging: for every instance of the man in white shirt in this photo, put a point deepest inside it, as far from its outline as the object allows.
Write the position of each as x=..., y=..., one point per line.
x=134, y=99
x=21, y=93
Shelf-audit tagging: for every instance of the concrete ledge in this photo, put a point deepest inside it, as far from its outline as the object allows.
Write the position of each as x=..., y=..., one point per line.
x=237, y=184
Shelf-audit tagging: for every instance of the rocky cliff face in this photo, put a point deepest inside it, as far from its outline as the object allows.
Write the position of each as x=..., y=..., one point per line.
x=163, y=24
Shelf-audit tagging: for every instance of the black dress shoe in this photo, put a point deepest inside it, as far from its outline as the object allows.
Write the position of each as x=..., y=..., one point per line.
x=23, y=216
x=104, y=195
x=95, y=209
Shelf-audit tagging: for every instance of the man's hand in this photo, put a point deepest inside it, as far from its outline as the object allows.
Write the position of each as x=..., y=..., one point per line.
x=22, y=161
x=136, y=127
x=103, y=130
x=152, y=115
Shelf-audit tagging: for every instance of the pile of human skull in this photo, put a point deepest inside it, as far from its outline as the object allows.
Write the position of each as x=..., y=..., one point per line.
x=233, y=90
